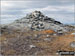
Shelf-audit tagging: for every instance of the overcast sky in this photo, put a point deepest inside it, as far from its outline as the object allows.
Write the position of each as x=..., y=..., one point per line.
x=60, y=10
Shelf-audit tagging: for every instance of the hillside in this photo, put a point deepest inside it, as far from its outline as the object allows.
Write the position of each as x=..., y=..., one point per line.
x=36, y=35
x=35, y=43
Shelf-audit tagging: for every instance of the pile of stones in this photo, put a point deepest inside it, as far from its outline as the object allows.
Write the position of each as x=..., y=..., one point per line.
x=38, y=21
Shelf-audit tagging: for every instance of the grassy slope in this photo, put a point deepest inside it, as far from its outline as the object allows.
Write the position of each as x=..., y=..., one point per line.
x=61, y=42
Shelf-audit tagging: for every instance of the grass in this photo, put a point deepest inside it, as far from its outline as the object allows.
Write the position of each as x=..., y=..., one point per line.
x=61, y=42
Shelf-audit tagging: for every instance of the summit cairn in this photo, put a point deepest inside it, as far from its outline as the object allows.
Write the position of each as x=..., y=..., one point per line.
x=38, y=21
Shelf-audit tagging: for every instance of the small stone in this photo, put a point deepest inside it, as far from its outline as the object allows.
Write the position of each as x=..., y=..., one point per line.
x=54, y=34
x=47, y=39
x=73, y=34
x=32, y=46
x=47, y=35
x=72, y=44
x=35, y=35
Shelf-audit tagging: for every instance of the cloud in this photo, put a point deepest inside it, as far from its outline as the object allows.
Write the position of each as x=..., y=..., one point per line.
x=54, y=8
x=14, y=4
x=64, y=18
x=63, y=9
x=5, y=19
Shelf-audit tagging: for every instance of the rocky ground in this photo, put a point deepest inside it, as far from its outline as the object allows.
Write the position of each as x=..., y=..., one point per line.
x=36, y=35
x=46, y=42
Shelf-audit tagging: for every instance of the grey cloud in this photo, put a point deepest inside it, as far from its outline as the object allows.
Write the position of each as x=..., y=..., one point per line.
x=19, y=8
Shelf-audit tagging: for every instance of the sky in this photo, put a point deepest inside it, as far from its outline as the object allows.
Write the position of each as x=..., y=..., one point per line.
x=60, y=10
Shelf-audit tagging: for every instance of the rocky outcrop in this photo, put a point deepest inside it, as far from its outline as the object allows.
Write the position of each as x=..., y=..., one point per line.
x=49, y=36
x=37, y=21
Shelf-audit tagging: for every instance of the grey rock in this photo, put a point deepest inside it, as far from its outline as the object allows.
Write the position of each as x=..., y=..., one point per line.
x=72, y=44
x=38, y=21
